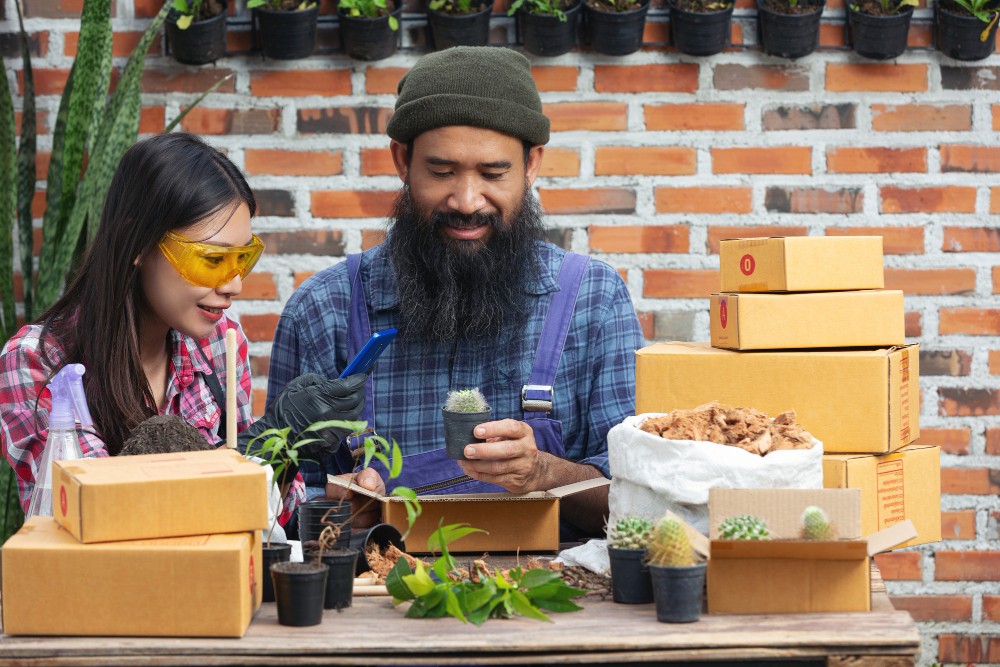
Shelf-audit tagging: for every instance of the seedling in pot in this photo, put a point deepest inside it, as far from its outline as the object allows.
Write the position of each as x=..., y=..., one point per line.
x=630, y=580
x=282, y=5
x=544, y=7
x=463, y=410
x=678, y=578
x=816, y=525
x=371, y=9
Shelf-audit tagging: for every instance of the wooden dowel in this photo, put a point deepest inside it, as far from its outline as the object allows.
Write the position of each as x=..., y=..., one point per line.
x=231, y=388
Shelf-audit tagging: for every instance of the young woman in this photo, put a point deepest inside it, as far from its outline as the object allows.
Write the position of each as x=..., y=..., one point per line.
x=145, y=313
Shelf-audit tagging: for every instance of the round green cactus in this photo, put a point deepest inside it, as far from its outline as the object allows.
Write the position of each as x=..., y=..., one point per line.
x=816, y=525
x=669, y=545
x=744, y=527
x=466, y=400
x=630, y=532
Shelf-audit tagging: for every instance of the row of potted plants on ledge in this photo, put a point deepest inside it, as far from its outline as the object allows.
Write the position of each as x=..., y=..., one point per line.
x=369, y=29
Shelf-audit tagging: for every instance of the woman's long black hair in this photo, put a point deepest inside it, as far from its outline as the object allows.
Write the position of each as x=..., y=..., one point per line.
x=164, y=182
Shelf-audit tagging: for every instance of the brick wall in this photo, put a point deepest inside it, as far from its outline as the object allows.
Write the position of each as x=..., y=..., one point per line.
x=654, y=158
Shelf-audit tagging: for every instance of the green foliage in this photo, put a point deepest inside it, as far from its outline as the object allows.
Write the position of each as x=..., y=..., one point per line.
x=816, y=525
x=669, y=545
x=890, y=7
x=279, y=5
x=981, y=9
x=744, y=527
x=371, y=9
x=630, y=532
x=466, y=400
x=455, y=6
x=547, y=7
x=188, y=12
x=440, y=591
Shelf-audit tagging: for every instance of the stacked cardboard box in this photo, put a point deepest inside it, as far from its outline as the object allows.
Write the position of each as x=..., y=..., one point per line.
x=156, y=545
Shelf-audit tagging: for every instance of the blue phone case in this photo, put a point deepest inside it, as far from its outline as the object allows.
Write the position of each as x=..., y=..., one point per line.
x=366, y=358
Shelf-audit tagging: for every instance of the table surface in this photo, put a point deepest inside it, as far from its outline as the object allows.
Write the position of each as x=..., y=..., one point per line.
x=372, y=632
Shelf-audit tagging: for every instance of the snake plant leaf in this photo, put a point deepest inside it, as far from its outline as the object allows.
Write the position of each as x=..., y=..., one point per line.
x=8, y=201
x=176, y=121
x=11, y=516
x=26, y=173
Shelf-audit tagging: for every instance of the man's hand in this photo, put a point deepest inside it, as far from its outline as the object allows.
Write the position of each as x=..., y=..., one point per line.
x=509, y=457
x=367, y=511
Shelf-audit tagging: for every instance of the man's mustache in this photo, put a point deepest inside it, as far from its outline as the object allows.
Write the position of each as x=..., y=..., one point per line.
x=459, y=221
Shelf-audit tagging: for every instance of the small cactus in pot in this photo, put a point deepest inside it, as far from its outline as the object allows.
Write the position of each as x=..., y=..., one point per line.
x=678, y=577
x=744, y=527
x=630, y=532
x=463, y=410
x=630, y=580
x=816, y=525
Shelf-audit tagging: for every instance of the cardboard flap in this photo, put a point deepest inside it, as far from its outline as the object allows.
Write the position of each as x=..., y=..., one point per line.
x=781, y=509
x=344, y=484
x=795, y=549
x=699, y=542
x=577, y=487
x=452, y=497
x=887, y=538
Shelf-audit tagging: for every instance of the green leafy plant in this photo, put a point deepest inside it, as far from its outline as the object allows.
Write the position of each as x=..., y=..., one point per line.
x=466, y=400
x=630, y=532
x=816, y=525
x=455, y=6
x=442, y=591
x=282, y=5
x=890, y=7
x=547, y=7
x=371, y=9
x=669, y=546
x=982, y=11
x=195, y=10
x=744, y=527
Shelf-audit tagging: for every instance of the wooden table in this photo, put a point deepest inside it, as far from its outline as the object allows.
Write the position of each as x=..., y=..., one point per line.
x=373, y=632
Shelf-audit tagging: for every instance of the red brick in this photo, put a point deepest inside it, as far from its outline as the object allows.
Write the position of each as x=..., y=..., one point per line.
x=968, y=402
x=967, y=565
x=684, y=283
x=931, y=281
x=300, y=277
x=672, y=78
x=938, y=608
x=960, y=525
x=921, y=117
x=559, y=162
x=343, y=120
x=597, y=116
x=377, y=162
x=973, y=481
x=647, y=321
x=832, y=35
x=123, y=42
x=656, y=160
x=809, y=117
x=768, y=77
x=773, y=160
x=259, y=365
x=703, y=116
x=970, y=158
x=561, y=201
x=899, y=566
x=300, y=83
x=41, y=122
x=259, y=286
x=947, y=199
x=555, y=79
x=969, y=649
x=991, y=607
x=970, y=321
x=639, y=238
x=371, y=238
x=995, y=200
x=55, y=9
x=152, y=120
x=293, y=163
x=912, y=326
x=239, y=40
x=876, y=160
x=47, y=81
x=143, y=8
x=950, y=440
x=971, y=239
x=186, y=80
x=717, y=234
x=351, y=203
x=704, y=200
x=813, y=200
x=383, y=80
x=895, y=240
x=995, y=370
x=259, y=401
x=203, y=120
x=996, y=117
x=260, y=327
x=843, y=77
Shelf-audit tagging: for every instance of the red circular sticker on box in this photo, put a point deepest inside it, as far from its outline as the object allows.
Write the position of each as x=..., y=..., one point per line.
x=747, y=264
x=723, y=312
x=62, y=499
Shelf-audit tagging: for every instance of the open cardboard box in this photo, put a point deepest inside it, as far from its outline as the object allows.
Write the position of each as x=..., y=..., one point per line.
x=526, y=522
x=787, y=574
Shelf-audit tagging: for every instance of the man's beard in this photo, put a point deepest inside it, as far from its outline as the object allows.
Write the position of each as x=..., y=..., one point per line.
x=453, y=289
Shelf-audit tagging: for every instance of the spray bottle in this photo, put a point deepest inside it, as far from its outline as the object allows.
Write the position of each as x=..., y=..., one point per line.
x=69, y=405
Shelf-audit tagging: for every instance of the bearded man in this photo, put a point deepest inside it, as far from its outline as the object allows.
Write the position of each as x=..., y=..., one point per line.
x=479, y=300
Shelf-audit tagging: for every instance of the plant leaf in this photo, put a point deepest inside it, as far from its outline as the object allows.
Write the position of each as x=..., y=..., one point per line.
x=445, y=535
x=453, y=606
x=522, y=605
x=26, y=175
x=397, y=461
x=537, y=577
x=394, y=582
x=8, y=206
x=184, y=22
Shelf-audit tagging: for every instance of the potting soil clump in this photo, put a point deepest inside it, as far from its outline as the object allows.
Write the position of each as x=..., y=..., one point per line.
x=745, y=428
x=163, y=434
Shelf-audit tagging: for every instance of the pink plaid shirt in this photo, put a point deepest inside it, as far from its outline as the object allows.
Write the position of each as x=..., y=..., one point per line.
x=24, y=372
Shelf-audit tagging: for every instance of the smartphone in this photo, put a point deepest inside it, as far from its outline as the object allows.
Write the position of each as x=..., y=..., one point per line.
x=366, y=358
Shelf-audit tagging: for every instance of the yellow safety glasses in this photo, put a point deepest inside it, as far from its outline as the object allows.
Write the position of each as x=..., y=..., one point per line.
x=210, y=265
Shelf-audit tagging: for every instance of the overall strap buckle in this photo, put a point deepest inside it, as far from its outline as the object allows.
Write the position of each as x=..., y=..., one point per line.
x=536, y=398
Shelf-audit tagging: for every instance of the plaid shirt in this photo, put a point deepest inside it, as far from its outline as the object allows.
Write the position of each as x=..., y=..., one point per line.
x=594, y=387
x=24, y=372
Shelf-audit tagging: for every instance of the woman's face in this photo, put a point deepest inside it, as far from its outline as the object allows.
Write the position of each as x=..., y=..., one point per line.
x=172, y=301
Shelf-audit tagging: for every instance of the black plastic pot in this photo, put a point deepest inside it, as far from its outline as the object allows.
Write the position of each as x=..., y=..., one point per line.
x=546, y=35
x=678, y=592
x=201, y=42
x=789, y=35
x=878, y=37
x=630, y=579
x=370, y=39
x=959, y=36
x=458, y=428
x=340, y=582
x=286, y=35
x=311, y=519
x=299, y=590
x=276, y=553
x=700, y=33
x=616, y=33
x=472, y=29
x=381, y=534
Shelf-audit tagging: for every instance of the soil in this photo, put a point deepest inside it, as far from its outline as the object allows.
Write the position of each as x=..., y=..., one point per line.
x=874, y=7
x=801, y=7
x=701, y=6
x=209, y=8
x=164, y=434
x=614, y=6
x=453, y=9
x=745, y=428
x=296, y=568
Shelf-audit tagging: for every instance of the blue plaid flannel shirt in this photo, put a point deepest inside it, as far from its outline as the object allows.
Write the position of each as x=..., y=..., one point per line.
x=594, y=387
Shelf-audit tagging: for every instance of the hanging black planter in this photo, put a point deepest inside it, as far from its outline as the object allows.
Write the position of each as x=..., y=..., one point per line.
x=878, y=37
x=469, y=29
x=287, y=35
x=700, y=33
x=959, y=35
x=789, y=35
x=366, y=38
x=276, y=553
x=616, y=33
x=201, y=42
x=546, y=35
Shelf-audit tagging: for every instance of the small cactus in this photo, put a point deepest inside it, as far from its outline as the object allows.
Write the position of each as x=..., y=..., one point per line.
x=669, y=545
x=816, y=525
x=630, y=532
x=466, y=400
x=744, y=527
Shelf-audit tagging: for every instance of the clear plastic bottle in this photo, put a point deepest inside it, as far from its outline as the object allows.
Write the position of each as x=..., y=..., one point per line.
x=68, y=405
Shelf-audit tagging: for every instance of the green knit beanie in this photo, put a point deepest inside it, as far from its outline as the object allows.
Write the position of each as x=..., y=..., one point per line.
x=481, y=86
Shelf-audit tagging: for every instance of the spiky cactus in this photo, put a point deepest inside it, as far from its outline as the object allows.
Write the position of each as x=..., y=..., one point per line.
x=669, y=545
x=744, y=527
x=466, y=400
x=630, y=532
x=815, y=524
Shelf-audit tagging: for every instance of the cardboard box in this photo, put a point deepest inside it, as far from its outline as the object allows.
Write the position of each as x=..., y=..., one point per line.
x=528, y=522
x=159, y=495
x=787, y=574
x=866, y=318
x=801, y=264
x=854, y=401
x=196, y=586
x=894, y=487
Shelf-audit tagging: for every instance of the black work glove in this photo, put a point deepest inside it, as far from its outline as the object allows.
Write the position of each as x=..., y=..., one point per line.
x=308, y=399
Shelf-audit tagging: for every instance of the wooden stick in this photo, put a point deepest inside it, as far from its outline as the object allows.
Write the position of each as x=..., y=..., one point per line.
x=231, y=388
x=370, y=591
